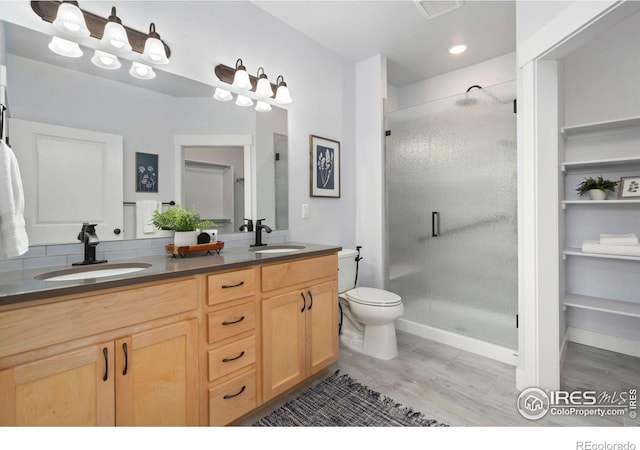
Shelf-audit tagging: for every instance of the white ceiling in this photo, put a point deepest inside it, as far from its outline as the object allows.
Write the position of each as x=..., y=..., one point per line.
x=416, y=48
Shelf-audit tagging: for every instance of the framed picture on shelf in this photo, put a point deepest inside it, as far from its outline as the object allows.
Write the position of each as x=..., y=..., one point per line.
x=629, y=188
x=146, y=172
x=325, y=167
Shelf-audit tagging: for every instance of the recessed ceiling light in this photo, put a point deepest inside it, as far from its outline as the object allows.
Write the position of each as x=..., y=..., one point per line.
x=457, y=49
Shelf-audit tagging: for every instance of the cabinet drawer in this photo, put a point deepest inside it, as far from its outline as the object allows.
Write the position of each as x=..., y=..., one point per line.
x=287, y=274
x=234, y=356
x=232, y=399
x=230, y=286
x=231, y=321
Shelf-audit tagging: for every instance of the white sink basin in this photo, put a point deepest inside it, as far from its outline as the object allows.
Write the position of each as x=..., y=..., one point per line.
x=279, y=249
x=97, y=271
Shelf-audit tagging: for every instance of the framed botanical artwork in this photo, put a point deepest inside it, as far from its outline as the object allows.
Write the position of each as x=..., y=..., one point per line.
x=146, y=172
x=629, y=188
x=325, y=167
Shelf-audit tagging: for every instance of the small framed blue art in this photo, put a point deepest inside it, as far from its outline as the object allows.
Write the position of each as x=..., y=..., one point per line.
x=146, y=172
x=325, y=167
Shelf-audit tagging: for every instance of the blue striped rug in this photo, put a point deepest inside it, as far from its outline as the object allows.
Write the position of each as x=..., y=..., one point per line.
x=340, y=401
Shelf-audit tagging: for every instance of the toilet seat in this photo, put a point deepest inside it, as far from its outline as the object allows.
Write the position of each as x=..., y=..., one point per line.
x=373, y=297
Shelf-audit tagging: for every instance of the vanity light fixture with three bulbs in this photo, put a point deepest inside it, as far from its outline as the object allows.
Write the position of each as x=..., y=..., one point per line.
x=68, y=19
x=241, y=81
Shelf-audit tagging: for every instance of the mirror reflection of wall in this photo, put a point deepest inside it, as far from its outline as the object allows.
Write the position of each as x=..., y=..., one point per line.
x=214, y=185
x=46, y=88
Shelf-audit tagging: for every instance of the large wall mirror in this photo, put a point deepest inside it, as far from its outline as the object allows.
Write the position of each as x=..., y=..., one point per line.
x=227, y=161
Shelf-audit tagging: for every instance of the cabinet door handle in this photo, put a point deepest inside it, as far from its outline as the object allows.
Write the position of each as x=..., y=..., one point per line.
x=311, y=297
x=233, y=359
x=435, y=223
x=105, y=352
x=234, y=321
x=228, y=396
x=304, y=301
x=229, y=286
x=126, y=358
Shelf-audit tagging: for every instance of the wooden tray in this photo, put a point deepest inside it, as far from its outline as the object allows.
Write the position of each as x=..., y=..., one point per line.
x=191, y=249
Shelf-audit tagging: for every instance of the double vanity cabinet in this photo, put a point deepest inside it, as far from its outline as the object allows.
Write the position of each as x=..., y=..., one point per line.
x=203, y=346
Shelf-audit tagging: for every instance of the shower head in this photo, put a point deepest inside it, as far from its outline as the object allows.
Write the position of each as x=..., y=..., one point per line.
x=468, y=101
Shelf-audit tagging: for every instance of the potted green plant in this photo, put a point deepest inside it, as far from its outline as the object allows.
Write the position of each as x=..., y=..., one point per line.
x=597, y=188
x=185, y=223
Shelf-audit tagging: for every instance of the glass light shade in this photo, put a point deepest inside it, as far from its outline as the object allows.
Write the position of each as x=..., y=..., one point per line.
x=65, y=48
x=141, y=71
x=222, y=95
x=263, y=89
x=70, y=20
x=241, y=80
x=243, y=101
x=105, y=60
x=154, y=51
x=283, y=97
x=115, y=38
x=262, y=107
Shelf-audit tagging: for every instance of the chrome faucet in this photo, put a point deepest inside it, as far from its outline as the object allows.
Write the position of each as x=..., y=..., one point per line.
x=90, y=240
x=259, y=228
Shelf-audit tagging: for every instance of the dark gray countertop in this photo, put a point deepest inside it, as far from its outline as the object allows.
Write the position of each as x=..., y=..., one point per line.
x=21, y=286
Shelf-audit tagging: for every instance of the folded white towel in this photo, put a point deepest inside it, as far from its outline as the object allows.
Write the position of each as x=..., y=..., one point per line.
x=619, y=239
x=13, y=234
x=144, y=215
x=596, y=247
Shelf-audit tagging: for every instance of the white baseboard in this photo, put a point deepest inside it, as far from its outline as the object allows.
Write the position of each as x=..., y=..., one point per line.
x=604, y=341
x=502, y=354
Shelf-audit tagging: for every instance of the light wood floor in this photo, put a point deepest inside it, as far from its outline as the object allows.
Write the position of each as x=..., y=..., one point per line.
x=464, y=389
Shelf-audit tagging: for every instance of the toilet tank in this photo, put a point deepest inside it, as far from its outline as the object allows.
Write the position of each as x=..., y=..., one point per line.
x=347, y=269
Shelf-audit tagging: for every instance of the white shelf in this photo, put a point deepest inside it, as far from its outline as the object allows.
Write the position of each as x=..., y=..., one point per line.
x=602, y=304
x=566, y=203
x=572, y=251
x=594, y=127
x=599, y=163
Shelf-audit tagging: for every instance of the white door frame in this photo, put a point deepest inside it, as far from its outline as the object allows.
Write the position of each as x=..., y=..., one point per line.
x=538, y=184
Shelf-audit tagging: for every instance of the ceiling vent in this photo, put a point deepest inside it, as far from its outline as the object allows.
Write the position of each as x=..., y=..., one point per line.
x=432, y=9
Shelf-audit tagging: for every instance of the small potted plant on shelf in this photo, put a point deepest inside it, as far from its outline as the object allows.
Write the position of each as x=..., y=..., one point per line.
x=597, y=188
x=185, y=223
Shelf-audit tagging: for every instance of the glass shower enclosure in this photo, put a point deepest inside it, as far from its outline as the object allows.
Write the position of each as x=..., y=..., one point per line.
x=451, y=211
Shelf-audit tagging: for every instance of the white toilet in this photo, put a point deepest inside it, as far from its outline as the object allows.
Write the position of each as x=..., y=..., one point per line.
x=368, y=314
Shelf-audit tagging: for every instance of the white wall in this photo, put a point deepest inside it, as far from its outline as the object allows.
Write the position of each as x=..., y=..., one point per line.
x=531, y=16
x=601, y=78
x=203, y=34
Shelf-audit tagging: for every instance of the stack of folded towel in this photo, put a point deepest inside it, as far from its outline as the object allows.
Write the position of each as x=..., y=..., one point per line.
x=614, y=244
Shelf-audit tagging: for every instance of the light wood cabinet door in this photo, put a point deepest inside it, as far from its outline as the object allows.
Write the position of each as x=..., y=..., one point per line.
x=70, y=389
x=156, y=377
x=322, y=326
x=283, y=351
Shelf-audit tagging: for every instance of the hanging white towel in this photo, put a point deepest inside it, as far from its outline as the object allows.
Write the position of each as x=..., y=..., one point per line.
x=619, y=239
x=596, y=247
x=13, y=235
x=144, y=216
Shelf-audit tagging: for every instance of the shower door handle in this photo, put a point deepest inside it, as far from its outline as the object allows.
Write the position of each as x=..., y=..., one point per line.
x=435, y=223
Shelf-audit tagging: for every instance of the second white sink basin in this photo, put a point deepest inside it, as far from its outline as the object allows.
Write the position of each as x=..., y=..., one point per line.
x=97, y=271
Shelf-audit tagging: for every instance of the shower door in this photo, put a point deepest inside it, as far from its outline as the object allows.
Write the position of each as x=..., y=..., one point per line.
x=451, y=213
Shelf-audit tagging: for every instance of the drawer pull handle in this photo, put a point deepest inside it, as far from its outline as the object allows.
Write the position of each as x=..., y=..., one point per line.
x=232, y=322
x=229, y=286
x=228, y=396
x=233, y=359
x=105, y=352
x=311, y=297
x=304, y=302
x=126, y=358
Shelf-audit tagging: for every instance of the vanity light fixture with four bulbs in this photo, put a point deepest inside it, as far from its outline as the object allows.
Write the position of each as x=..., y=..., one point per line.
x=241, y=81
x=68, y=19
